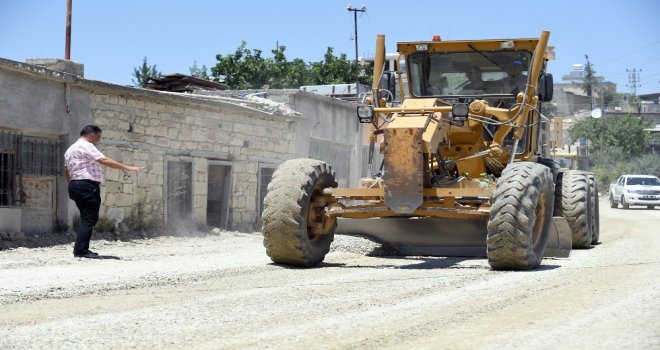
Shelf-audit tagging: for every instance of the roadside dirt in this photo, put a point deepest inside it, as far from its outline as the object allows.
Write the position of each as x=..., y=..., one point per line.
x=223, y=292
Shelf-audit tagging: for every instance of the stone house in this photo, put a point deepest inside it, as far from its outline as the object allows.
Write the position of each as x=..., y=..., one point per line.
x=208, y=159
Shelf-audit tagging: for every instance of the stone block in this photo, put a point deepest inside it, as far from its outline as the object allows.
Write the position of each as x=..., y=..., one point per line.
x=115, y=214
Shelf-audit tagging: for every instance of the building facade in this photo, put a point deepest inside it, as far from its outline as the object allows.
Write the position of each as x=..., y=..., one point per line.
x=208, y=159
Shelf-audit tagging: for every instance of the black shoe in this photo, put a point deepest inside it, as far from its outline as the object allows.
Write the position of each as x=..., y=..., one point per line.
x=93, y=253
x=88, y=254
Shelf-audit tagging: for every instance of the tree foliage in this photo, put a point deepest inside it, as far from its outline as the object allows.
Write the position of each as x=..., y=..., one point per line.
x=549, y=110
x=198, y=72
x=622, y=148
x=590, y=82
x=248, y=69
x=625, y=133
x=333, y=69
x=612, y=162
x=142, y=73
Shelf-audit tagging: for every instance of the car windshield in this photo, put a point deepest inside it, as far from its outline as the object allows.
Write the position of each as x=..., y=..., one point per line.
x=644, y=181
x=468, y=73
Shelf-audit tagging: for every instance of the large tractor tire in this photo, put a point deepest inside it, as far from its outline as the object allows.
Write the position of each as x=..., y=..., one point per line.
x=552, y=165
x=295, y=229
x=520, y=218
x=558, y=187
x=595, y=214
x=574, y=205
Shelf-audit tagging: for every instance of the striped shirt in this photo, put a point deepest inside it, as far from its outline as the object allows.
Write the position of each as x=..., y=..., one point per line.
x=81, y=160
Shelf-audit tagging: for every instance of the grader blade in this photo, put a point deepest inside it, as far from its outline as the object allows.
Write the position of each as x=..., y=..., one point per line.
x=444, y=237
x=423, y=236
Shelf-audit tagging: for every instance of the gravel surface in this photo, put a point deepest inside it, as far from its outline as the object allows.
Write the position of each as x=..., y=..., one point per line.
x=223, y=291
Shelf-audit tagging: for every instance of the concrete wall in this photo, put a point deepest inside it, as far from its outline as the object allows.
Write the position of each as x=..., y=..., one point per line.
x=329, y=131
x=42, y=102
x=10, y=220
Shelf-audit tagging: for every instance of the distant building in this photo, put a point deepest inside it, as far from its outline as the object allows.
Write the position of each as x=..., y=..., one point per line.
x=570, y=97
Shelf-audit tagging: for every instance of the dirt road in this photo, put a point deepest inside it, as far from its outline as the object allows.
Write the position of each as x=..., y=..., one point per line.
x=223, y=292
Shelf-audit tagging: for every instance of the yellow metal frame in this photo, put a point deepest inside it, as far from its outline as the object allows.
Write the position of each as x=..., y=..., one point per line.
x=464, y=143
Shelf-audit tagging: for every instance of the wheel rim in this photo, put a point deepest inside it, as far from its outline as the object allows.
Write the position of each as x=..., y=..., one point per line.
x=318, y=224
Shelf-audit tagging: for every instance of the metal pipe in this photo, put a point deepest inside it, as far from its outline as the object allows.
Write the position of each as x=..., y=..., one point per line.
x=379, y=62
x=67, y=49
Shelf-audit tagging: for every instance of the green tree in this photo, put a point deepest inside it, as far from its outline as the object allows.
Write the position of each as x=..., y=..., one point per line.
x=333, y=69
x=590, y=82
x=245, y=69
x=142, y=73
x=627, y=134
x=197, y=72
x=549, y=109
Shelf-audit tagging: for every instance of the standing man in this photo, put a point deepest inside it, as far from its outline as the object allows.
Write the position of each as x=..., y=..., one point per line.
x=82, y=162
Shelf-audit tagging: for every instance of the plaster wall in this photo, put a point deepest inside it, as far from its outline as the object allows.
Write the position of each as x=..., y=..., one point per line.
x=329, y=132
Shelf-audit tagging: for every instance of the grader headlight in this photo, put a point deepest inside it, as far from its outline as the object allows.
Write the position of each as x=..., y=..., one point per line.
x=459, y=111
x=365, y=114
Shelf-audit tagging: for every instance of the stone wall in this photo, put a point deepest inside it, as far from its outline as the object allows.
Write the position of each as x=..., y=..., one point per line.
x=179, y=138
x=151, y=132
x=151, y=129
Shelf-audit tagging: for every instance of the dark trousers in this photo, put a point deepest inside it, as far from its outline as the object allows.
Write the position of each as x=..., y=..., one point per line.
x=87, y=196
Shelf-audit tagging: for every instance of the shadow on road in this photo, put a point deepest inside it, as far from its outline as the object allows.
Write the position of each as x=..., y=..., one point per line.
x=420, y=263
x=101, y=257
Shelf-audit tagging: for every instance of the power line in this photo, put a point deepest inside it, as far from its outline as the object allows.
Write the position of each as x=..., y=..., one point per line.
x=629, y=53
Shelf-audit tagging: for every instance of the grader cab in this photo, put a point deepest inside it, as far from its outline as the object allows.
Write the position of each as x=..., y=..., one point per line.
x=462, y=170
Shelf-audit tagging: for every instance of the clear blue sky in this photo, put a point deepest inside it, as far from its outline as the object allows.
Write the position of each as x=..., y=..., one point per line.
x=111, y=37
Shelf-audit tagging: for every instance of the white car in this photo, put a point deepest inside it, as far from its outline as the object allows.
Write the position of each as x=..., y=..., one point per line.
x=635, y=190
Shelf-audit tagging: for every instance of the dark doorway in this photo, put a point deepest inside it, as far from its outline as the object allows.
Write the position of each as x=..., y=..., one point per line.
x=217, y=204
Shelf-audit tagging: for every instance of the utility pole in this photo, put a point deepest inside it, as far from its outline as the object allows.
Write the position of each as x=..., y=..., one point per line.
x=67, y=45
x=633, y=79
x=589, y=78
x=357, y=70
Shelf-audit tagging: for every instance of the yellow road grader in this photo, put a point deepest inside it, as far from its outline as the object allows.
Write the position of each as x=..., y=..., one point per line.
x=463, y=167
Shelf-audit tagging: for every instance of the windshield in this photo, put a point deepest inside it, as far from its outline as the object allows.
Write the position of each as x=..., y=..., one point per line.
x=645, y=181
x=468, y=73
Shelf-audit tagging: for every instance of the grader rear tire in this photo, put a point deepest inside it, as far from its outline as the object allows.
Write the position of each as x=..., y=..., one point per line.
x=574, y=205
x=595, y=215
x=520, y=217
x=294, y=200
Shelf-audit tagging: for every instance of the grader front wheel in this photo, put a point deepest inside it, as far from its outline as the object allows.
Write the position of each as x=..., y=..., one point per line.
x=520, y=217
x=295, y=229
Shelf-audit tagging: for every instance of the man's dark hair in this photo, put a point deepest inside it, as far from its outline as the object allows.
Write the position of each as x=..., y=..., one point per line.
x=90, y=130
